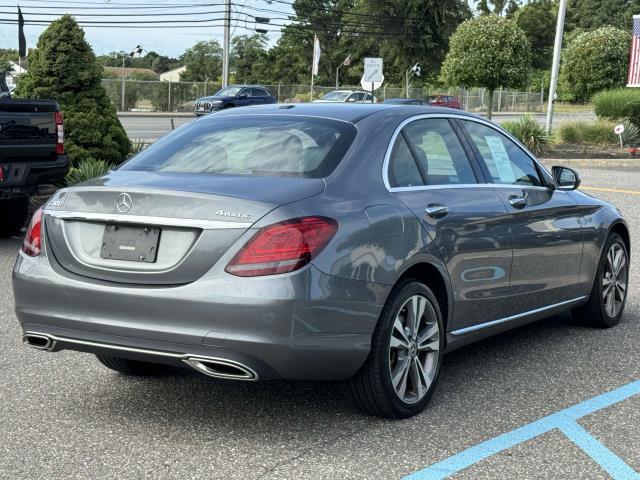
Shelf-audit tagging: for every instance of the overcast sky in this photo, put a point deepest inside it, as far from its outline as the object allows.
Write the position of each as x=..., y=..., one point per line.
x=166, y=41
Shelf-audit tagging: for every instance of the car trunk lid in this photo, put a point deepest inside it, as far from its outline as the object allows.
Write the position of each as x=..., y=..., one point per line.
x=162, y=229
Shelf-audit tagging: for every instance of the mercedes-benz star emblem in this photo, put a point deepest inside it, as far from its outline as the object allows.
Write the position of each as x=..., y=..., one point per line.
x=124, y=202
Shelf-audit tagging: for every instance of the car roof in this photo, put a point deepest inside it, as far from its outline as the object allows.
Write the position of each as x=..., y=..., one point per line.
x=349, y=112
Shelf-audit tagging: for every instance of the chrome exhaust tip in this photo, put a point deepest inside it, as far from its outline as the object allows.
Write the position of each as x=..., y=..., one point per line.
x=220, y=368
x=39, y=341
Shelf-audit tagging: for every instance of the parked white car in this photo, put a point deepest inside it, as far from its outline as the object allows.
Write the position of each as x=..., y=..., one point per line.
x=346, y=96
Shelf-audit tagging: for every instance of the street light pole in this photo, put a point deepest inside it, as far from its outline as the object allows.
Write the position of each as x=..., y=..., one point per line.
x=225, y=51
x=557, y=47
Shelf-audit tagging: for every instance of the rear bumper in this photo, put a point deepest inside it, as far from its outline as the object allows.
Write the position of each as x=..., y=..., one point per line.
x=305, y=325
x=24, y=177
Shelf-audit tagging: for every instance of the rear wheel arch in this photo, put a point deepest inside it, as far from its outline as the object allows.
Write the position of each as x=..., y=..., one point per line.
x=437, y=281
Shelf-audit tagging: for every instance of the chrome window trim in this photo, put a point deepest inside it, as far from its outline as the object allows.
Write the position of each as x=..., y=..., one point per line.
x=407, y=121
x=481, y=326
x=147, y=220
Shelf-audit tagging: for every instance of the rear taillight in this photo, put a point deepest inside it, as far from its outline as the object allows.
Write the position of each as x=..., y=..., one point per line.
x=59, y=133
x=283, y=247
x=32, y=244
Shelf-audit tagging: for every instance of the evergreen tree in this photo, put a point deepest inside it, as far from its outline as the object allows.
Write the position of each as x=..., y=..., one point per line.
x=63, y=68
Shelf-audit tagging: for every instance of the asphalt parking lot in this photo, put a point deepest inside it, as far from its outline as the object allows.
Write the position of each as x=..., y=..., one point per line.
x=64, y=416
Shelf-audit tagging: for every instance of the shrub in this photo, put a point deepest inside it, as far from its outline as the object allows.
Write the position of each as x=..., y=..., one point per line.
x=630, y=134
x=137, y=146
x=588, y=133
x=595, y=61
x=529, y=132
x=64, y=68
x=86, y=170
x=618, y=103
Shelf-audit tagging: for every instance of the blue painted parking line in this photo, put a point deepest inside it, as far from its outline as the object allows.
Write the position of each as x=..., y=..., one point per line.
x=564, y=420
x=611, y=463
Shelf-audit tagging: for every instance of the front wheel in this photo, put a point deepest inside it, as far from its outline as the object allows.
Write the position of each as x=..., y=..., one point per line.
x=609, y=293
x=401, y=372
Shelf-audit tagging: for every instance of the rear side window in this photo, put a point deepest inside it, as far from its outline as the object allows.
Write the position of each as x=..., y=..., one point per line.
x=403, y=171
x=507, y=163
x=250, y=145
x=439, y=152
x=258, y=92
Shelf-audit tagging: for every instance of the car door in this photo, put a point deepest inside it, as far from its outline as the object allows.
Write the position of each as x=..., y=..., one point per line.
x=244, y=97
x=545, y=222
x=258, y=96
x=430, y=170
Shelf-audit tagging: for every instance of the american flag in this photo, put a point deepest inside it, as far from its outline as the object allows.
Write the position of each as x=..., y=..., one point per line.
x=347, y=61
x=634, y=62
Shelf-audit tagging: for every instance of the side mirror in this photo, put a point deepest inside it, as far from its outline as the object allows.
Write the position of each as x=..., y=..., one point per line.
x=566, y=178
x=242, y=96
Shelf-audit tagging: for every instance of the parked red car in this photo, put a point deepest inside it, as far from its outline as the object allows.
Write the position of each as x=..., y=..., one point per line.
x=444, y=101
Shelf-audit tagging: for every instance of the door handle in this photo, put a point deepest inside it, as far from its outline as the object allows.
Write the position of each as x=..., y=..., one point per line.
x=435, y=210
x=518, y=202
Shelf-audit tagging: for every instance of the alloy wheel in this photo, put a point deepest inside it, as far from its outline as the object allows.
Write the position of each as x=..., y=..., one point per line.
x=614, y=280
x=414, y=349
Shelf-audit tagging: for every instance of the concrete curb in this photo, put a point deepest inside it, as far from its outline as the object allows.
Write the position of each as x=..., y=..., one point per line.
x=592, y=162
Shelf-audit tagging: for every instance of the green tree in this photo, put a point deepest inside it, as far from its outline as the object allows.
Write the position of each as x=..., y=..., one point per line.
x=593, y=14
x=595, y=61
x=490, y=52
x=63, y=68
x=420, y=32
x=5, y=68
x=537, y=19
x=249, y=58
x=203, y=60
x=497, y=7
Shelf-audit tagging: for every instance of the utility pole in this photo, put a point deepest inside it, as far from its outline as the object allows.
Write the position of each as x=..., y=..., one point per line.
x=123, y=87
x=557, y=46
x=225, y=47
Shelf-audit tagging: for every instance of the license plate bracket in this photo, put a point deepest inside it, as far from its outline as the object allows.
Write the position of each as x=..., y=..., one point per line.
x=134, y=243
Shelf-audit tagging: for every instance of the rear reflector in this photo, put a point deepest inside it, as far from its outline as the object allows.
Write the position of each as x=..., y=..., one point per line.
x=32, y=244
x=283, y=247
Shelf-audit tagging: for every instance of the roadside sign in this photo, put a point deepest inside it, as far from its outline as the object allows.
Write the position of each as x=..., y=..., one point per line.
x=619, y=130
x=371, y=86
x=373, y=70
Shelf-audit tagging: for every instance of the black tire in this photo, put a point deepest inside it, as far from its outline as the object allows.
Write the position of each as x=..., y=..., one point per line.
x=371, y=389
x=593, y=313
x=13, y=215
x=131, y=367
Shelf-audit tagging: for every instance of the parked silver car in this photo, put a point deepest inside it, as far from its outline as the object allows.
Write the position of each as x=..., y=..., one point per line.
x=354, y=242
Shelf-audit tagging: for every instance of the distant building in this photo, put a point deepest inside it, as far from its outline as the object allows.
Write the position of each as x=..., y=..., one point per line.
x=172, y=75
x=12, y=77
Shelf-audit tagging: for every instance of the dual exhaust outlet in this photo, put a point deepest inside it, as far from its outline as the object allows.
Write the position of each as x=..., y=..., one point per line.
x=210, y=366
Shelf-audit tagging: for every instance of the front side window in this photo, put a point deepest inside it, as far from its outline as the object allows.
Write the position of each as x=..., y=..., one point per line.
x=250, y=145
x=507, y=162
x=228, y=92
x=439, y=152
x=336, y=96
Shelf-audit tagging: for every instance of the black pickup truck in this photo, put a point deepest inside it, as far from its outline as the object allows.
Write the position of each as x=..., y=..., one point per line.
x=32, y=155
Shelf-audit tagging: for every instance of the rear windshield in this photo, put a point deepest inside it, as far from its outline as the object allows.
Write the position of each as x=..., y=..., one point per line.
x=250, y=145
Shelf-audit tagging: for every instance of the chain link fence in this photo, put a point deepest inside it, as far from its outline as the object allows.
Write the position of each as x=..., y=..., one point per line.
x=156, y=96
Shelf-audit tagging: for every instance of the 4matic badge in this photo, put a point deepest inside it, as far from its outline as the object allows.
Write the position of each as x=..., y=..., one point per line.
x=224, y=213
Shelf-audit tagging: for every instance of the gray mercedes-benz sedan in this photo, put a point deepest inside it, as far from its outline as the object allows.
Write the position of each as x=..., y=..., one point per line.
x=350, y=242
